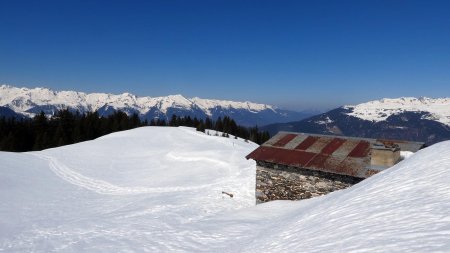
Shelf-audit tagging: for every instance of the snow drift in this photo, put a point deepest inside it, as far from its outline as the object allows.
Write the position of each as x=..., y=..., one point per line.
x=159, y=189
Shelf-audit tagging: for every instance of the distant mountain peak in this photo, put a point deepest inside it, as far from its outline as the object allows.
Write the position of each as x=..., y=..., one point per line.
x=406, y=118
x=29, y=101
x=379, y=110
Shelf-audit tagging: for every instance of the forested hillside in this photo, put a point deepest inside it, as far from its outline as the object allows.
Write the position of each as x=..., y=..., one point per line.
x=67, y=127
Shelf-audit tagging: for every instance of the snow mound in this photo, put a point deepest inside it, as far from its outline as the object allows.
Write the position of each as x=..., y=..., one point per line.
x=131, y=190
x=159, y=189
x=379, y=110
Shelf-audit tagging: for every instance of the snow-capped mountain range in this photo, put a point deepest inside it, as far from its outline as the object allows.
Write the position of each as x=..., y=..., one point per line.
x=29, y=102
x=407, y=118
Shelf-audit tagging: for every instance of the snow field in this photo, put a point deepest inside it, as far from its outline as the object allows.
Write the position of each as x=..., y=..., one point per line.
x=158, y=189
x=131, y=190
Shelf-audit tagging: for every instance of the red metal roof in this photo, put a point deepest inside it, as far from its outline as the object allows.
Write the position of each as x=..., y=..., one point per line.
x=284, y=140
x=306, y=143
x=332, y=146
x=361, y=150
x=333, y=154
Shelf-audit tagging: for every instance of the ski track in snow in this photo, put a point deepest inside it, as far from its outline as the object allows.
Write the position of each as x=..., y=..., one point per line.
x=103, y=187
x=72, y=199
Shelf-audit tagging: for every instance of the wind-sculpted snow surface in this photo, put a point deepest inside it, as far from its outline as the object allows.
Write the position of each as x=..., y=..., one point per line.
x=160, y=190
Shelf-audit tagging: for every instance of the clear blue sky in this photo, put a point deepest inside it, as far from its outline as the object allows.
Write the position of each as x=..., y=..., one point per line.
x=294, y=54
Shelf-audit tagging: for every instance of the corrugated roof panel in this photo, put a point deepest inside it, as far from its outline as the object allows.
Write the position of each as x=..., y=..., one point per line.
x=307, y=143
x=281, y=156
x=345, y=148
x=361, y=150
x=295, y=158
x=318, y=145
x=274, y=139
x=318, y=162
x=333, y=146
x=284, y=140
x=297, y=140
x=261, y=153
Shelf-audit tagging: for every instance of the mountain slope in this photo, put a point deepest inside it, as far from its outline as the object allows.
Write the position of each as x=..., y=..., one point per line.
x=159, y=189
x=437, y=109
x=32, y=101
x=422, y=119
x=8, y=113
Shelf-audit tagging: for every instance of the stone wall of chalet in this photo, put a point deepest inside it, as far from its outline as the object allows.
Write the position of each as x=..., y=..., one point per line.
x=275, y=181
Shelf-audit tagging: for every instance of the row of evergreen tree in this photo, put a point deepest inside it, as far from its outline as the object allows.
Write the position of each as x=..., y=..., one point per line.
x=226, y=125
x=67, y=127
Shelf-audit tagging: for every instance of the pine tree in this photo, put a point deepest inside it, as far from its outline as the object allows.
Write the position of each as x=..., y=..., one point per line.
x=174, y=121
x=208, y=123
x=219, y=125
